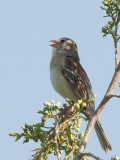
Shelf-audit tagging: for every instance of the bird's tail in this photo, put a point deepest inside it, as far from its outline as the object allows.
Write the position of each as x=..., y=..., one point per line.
x=105, y=144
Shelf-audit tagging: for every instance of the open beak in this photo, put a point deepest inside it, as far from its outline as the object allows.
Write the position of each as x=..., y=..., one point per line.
x=54, y=43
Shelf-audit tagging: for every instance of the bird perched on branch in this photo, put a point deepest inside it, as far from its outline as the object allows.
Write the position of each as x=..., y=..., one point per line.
x=70, y=80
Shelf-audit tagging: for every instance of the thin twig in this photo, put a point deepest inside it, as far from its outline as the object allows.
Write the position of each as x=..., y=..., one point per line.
x=89, y=155
x=35, y=149
x=69, y=153
x=116, y=55
x=115, y=95
x=116, y=41
x=56, y=134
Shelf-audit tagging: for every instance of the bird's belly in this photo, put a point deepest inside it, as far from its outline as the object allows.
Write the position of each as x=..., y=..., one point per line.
x=61, y=85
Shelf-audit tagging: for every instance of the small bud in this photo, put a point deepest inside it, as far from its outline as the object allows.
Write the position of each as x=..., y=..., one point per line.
x=76, y=147
x=52, y=102
x=22, y=127
x=110, y=22
x=72, y=137
x=105, y=3
x=78, y=125
x=79, y=101
x=95, y=95
x=79, y=121
x=84, y=105
x=68, y=100
x=84, y=99
x=106, y=26
x=46, y=112
x=43, y=144
x=73, y=127
x=47, y=104
x=77, y=106
x=62, y=138
x=39, y=111
x=77, y=129
x=82, y=134
x=58, y=104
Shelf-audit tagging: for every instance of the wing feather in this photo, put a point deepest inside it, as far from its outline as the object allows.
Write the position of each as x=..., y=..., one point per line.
x=77, y=77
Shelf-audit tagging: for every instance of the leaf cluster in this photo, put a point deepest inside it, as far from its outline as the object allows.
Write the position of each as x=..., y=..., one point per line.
x=69, y=136
x=112, y=9
x=115, y=158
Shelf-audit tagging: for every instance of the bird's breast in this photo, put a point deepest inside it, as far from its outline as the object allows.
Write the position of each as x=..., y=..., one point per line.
x=61, y=85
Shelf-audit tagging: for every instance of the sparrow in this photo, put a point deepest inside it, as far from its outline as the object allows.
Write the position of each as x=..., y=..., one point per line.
x=70, y=80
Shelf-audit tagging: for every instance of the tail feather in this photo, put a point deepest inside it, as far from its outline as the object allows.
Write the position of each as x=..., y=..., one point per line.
x=105, y=144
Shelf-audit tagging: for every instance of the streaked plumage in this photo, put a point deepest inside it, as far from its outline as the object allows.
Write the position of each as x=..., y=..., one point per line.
x=71, y=81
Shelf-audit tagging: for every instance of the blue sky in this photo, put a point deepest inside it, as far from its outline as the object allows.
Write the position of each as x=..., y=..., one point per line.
x=25, y=30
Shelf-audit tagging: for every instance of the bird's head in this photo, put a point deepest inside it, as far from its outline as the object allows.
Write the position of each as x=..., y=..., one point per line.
x=64, y=46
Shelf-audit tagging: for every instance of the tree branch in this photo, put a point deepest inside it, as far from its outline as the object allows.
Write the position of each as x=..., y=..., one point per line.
x=89, y=155
x=115, y=95
x=56, y=134
x=109, y=94
x=116, y=40
x=97, y=113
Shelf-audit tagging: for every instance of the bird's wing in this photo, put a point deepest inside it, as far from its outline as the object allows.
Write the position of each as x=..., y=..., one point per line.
x=77, y=77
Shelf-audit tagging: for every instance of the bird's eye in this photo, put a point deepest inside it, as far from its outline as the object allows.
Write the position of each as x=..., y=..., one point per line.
x=62, y=41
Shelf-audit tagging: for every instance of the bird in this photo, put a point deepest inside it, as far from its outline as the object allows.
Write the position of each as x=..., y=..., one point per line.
x=70, y=80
